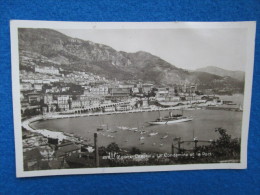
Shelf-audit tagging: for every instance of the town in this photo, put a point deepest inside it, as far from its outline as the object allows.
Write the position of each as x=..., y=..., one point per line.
x=49, y=92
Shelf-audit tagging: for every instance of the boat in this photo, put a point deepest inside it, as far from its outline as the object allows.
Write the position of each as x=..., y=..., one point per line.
x=153, y=134
x=122, y=127
x=164, y=137
x=132, y=129
x=171, y=119
x=113, y=131
x=142, y=132
x=142, y=138
x=100, y=129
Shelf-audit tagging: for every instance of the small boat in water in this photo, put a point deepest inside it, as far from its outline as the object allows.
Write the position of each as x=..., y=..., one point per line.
x=133, y=129
x=122, y=127
x=153, y=133
x=164, y=137
x=143, y=132
x=100, y=129
x=141, y=138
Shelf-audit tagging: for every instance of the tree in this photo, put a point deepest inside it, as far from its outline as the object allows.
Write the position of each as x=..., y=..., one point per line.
x=135, y=151
x=113, y=149
x=102, y=151
x=224, y=146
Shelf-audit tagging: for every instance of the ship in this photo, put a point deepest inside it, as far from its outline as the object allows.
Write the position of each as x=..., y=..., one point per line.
x=171, y=119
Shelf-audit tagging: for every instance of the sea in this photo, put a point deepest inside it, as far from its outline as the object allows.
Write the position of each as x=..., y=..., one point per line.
x=132, y=130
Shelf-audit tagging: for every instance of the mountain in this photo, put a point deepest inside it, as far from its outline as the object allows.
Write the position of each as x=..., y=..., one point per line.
x=239, y=75
x=46, y=47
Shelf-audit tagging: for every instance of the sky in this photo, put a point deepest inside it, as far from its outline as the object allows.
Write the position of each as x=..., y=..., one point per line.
x=184, y=48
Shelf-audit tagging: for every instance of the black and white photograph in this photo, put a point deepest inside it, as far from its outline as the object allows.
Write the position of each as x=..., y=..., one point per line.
x=108, y=97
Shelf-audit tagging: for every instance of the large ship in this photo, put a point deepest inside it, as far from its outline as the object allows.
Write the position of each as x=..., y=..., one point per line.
x=171, y=119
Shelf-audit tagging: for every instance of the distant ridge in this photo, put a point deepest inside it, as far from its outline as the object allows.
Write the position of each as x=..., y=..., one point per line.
x=239, y=75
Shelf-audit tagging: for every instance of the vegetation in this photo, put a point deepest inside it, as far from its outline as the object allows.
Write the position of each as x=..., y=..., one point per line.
x=222, y=149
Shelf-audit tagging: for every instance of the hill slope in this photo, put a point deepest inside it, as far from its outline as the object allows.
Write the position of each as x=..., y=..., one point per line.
x=239, y=75
x=45, y=47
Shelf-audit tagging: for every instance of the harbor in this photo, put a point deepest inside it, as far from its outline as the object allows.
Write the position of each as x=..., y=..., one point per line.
x=132, y=130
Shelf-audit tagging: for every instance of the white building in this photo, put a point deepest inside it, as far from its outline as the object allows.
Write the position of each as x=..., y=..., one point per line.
x=26, y=86
x=47, y=70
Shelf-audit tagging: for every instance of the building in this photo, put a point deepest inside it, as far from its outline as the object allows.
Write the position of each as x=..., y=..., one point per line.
x=76, y=104
x=47, y=70
x=37, y=87
x=64, y=102
x=85, y=100
x=145, y=103
x=102, y=91
x=65, y=89
x=95, y=102
x=129, y=86
x=34, y=98
x=67, y=149
x=109, y=109
x=146, y=88
x=119, y=94
x=26, y=86
x=161, y=94
x=48, y=99
x=135, y=90
x=123, y=107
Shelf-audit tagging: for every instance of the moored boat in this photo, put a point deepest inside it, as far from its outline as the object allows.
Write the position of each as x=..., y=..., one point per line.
x=153, y=133
x=171, y=119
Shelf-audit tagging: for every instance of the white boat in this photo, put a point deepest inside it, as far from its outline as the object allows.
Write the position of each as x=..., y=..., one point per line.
x=141, y=138
x=133, y=129
x=153, y=134
x=164, y=137
x=171, y=119
x=142, y=132
x=123, y=128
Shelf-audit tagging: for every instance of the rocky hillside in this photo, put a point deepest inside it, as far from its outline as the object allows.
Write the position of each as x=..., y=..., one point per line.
x=239, y=75
x=46, y=47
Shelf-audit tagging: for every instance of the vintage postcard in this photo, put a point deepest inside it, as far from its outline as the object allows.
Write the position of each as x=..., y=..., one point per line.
x=108, y=97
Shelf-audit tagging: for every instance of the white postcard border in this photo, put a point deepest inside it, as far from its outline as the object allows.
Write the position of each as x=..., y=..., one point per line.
x=15, y=24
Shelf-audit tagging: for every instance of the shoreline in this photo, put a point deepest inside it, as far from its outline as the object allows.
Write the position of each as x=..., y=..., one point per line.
x=26, y=124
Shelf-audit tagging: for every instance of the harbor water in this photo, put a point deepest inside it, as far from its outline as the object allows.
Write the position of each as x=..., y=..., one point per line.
x=132, y=130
